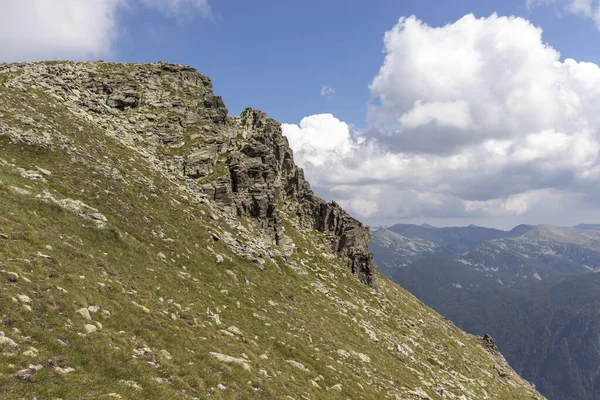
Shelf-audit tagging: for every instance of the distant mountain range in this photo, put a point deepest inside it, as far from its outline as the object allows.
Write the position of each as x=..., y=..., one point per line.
x=535, y=289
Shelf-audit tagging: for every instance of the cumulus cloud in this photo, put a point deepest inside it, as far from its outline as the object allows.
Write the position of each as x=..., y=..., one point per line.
x=319, y=138
x=41, y=29
x=73, y=29
x=473, y=119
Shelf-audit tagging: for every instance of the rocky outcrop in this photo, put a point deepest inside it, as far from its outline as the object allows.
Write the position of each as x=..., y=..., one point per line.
x=170, y=114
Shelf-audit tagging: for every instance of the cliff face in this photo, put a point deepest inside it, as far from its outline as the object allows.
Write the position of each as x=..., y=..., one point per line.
x=152, y=247
x=244, y=163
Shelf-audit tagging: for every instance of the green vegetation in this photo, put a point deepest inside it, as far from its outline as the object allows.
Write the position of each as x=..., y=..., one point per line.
x=158, y=272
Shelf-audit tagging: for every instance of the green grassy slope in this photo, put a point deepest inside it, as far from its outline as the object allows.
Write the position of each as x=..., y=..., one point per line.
x=112, y=276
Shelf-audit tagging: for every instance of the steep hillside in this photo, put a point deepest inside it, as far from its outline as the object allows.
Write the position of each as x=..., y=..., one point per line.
x=557, y=320
x=531, y=289
x=153, y=247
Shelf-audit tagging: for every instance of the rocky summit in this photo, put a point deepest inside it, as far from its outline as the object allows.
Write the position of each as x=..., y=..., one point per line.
x=152, y=246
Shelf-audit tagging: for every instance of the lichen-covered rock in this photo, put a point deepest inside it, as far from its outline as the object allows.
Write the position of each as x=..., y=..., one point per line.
x=242, y=163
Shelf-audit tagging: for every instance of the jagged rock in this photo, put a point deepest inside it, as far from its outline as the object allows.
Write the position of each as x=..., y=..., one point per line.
x=490, y=344
x=200, y=163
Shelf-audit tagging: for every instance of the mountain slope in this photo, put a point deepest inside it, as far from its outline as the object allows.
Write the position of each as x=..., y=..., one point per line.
x=531, y=289
x=449, y=239
x=591, y=227
x=548, y=330
x=153, y=247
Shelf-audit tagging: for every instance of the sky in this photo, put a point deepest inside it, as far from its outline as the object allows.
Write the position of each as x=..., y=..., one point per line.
x=424, y=111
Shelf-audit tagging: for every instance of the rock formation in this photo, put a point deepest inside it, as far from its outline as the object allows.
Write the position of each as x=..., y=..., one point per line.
x=170, y=112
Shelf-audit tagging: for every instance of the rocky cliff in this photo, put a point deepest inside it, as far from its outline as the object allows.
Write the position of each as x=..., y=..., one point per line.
x=170, y=114
x=151, y=246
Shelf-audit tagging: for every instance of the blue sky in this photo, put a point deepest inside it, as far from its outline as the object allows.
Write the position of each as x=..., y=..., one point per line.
x=465, y=113
x=275, y=55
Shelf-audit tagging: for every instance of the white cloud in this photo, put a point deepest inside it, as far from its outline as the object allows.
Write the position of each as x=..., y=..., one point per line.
x=42, y=29
x=327, y=91
x=473, y=119
x=73, y=29
x=449, y=113
x=318, y=138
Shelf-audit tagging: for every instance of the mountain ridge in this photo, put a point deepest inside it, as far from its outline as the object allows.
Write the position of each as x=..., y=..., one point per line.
x=155, y=247
x=537, y=280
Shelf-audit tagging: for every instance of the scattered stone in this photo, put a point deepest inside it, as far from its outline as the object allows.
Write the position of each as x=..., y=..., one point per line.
x=32, y=352
x=33, y=175
x=24, y=298
x=64, y=371
x=296, y=364
x=76, y=207
x=372, y=335
x=221, y=387
x=89, y=328
x=229, y=359
x=142, y=351
x=362, y=357
x=236, y=331
x=6, y=341
x=165, y=354
x=84, y=312
x=141, y=307
x=12, y=276
x=213, y=317
x=43, y=171
x=337, y=388
x=21, y=191
x=26, y=373
x=93, y=309
x=219, y=259
x=131, y=384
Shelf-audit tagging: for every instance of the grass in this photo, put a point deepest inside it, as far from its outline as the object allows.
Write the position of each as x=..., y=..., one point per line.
x=283, y=315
